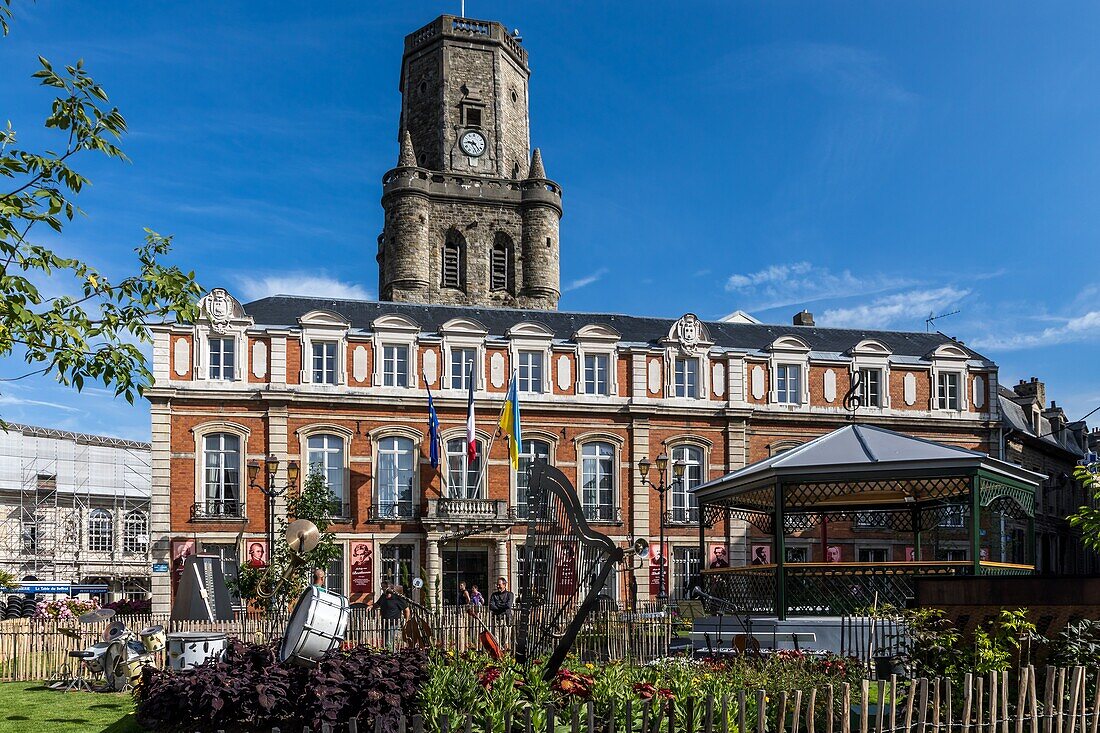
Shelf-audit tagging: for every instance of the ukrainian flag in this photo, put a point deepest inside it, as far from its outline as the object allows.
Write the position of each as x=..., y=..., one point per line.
x=509, y=422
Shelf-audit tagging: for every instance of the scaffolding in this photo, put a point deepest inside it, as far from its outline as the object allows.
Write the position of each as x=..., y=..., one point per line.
x=75, y=508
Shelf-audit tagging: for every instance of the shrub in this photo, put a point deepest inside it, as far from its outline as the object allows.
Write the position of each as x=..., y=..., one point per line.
x=131, y=607
x=64, y=609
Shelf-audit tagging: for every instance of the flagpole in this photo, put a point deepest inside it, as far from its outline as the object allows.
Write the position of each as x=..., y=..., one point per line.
x=492, y=438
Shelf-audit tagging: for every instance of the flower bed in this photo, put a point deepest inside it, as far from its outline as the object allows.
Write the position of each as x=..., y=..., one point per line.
x=251, y=689
x=64, y=609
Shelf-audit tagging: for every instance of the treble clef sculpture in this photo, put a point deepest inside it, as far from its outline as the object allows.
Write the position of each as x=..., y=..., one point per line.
x=853, y=399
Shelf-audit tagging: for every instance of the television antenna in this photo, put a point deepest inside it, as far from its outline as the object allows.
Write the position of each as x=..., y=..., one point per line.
x=931, y=319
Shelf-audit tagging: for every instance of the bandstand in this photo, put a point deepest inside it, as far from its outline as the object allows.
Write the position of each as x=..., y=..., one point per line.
x=869, y=477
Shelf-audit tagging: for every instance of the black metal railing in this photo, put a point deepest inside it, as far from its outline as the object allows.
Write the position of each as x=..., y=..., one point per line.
x=339, y=509
x=682, y=515
x=603, y=513
x=394, y=510
x=213, y=510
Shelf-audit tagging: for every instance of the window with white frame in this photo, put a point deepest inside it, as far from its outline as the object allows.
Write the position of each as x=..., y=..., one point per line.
x=947, y=391
x=687, y=378
x=222, y=474
x=533, y=451
x=685, y=508
x=529, y=371
x=324, y=362
x=463, y=475
x=596, y=378
x=101, y=532
x=397, y=565
x=788, y=384
x=135, y=532
x=873, y=554
x=870, y=387
x=598, y=481
x=223, y=358
x=686, y=562
x=462, y=367
x=326, y=453
x=395, y=365
x=396, y=473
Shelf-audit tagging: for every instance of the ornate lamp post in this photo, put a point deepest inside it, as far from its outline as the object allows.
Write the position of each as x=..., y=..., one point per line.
x=271, y=490
x=661, y=487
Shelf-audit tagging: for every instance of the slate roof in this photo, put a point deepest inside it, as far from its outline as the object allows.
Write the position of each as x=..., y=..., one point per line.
x=284, y=310
x=867, y=450
x=1013, y=416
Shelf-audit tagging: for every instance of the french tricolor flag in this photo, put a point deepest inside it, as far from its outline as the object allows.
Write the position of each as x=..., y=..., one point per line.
x=471, y=441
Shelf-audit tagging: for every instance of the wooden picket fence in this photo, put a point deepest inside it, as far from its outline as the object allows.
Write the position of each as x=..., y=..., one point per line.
x=37, y=650
x=997, y=702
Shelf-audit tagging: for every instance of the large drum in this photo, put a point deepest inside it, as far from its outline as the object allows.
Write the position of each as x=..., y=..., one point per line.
x=316, y=626
x=95, y=663
x=153, y=638
x=189, y=649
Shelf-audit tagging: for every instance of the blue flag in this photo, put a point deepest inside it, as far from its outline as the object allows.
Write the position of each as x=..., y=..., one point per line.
x=433, y=431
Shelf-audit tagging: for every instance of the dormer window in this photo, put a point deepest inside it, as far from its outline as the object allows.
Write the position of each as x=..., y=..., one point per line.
x=223, y=358
x=687, y=378
x=870, y=387
x=595, y=374
x=324, y=362
x=947, y=391
x=788, y=384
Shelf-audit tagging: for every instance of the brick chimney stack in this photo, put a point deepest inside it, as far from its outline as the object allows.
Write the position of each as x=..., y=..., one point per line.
x=805, y=318
x=1034, y=389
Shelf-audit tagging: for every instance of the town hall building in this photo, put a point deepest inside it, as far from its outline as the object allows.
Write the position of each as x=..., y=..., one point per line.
x=468, y=264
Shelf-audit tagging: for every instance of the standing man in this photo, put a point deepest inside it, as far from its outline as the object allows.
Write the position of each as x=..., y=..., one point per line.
x=319, y=578
x=501, y=601
x=391, y=609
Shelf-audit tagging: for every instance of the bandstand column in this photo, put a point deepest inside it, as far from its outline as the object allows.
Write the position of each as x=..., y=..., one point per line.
x=975, y=526
x=778, y=552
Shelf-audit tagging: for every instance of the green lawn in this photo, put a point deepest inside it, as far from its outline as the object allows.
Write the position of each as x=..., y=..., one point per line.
x=31, y=707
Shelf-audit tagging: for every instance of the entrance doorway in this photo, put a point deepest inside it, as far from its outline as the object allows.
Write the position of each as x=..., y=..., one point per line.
x=470, y=566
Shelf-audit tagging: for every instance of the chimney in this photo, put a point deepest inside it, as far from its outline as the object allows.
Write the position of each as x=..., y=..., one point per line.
x=1034, y=389
x=805, y=318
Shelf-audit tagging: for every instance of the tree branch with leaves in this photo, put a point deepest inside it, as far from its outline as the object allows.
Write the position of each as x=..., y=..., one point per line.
x=93, y=333
x=1087, y=518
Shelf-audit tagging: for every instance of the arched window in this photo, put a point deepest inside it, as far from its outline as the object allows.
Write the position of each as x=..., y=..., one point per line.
x=222, y=474
x=598, y=481
x=500, y=265
x=135, y=532
x=101, y=535
x=453, y=265
x=532, y=452
x=396, y=473
x=684, y=507
x=326, y=452
x=463, y=475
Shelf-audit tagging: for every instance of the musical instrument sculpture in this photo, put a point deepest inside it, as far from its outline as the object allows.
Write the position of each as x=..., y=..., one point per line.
x=302, y=536
x=202, y=594
x=566, y=565
x=316, y=626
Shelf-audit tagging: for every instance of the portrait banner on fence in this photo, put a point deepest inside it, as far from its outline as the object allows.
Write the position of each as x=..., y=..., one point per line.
x=761, y=555
x=718, y=557
x=658, y=564
x=361, y=583
x=257, y=553
x=565, y=580
x=181, y=550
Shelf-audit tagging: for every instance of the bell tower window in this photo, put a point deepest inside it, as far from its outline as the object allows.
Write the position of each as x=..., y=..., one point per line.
x=500, y=265
x=454, y=262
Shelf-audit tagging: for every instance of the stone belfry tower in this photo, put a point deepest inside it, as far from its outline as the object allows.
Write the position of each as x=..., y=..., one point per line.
x=470, y=216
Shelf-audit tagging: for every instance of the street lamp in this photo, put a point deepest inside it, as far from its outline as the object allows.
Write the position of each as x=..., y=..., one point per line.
x=661, y=487
x=271, y=490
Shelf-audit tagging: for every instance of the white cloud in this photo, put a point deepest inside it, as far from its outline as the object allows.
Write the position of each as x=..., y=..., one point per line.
x=781, y=285
x=254, y=288
x=908, y=309
x=581, y=282
x=1085, y=327
x=21, y=401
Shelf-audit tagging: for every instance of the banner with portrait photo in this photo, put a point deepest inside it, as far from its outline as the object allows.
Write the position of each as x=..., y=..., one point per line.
x=255, y=553
x=718, y=556
x=181, y=550
x=658, y=563
x=760, y=555
x=361, y=577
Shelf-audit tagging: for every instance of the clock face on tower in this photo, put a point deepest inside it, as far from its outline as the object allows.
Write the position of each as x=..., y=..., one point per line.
x=472, y=143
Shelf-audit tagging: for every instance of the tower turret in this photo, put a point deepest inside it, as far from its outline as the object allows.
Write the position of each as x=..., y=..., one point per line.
x=457, y=206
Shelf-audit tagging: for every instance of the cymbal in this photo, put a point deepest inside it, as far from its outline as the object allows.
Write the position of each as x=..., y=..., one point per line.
x=94, y=617
x=302, y=535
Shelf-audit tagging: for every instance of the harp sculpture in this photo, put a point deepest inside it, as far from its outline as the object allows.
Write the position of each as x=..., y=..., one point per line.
x=566, y=565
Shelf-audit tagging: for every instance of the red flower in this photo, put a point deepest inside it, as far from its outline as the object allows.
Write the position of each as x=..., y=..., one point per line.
x=488, y=677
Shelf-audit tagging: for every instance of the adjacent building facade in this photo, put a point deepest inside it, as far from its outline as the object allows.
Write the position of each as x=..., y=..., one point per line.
x=75, y=508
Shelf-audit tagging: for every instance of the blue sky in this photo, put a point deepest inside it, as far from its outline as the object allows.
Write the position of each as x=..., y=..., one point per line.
x=872, y=162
